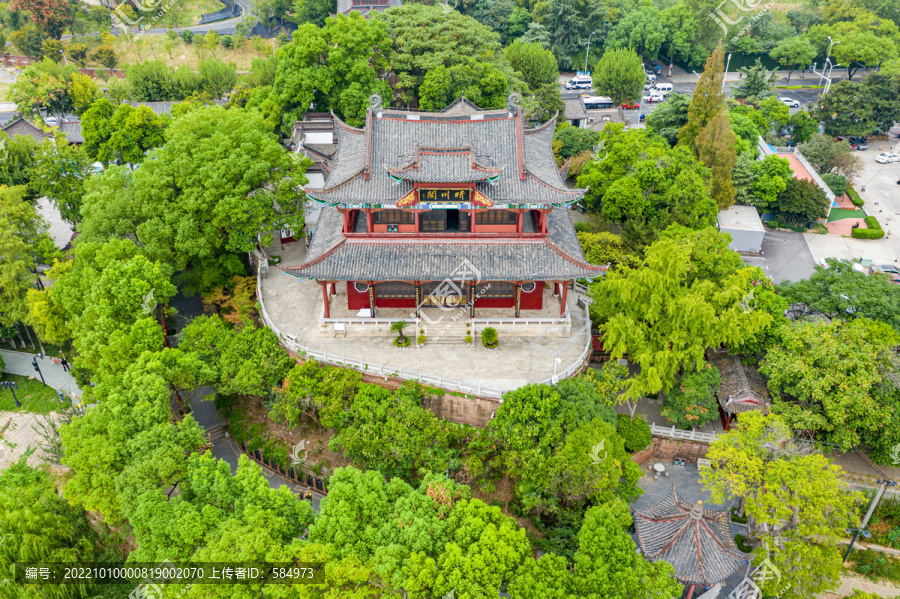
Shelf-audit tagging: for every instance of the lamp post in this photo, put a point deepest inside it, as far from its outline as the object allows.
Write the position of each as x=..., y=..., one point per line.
x=725, y=76
x=38, y=368
x=12, y=385
x=588, y=53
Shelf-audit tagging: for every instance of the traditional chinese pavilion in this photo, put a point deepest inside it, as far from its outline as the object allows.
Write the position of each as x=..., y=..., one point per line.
x=463, y=207
x=697, y=542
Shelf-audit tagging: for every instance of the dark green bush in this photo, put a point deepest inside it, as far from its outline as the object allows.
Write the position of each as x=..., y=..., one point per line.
x=583, y=227
x=837, y=183
x=867, y=234
x=692, y=403
x=634, y=431
x=187, y=36
x=873, y=223
x=739, y=541
x=854, y=197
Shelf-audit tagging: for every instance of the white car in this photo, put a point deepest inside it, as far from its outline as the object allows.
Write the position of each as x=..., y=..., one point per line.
x=790, y=103
x=51, y=121
x=886, y=157
x=653, y=97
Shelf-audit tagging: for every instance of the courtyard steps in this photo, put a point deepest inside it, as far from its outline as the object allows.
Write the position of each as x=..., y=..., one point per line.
x=216, y=431
x=447, y=333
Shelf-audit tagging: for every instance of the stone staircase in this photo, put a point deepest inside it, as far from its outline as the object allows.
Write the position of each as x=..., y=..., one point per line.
x=216, y=431
x=448, y=332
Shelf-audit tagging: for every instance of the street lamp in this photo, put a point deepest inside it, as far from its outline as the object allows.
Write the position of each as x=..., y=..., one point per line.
x=829, y=46
x=38, y=368
x=725, y=76
x=588, y=53
x=11, y=385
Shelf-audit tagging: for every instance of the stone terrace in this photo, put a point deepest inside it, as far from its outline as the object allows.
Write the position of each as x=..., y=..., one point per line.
x=295, y=307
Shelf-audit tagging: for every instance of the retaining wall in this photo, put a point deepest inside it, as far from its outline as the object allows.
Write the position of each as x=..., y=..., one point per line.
x=662, y=448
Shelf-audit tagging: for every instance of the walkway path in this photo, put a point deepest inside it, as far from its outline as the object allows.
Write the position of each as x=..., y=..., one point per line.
x=16, y=362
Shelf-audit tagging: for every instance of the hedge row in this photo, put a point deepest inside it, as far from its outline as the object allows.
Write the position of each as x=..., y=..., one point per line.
x=873, y=223
x=854, y=197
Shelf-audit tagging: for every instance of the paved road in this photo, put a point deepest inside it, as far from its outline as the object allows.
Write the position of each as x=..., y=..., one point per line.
x=20, y=363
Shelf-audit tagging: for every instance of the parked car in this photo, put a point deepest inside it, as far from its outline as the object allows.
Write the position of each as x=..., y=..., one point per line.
x=859, y=143
x=790, y=103
x=650, y=77
x=887, y=268
x=653, y=97
x=886, y=157
x=664, y=88
x=630, y=106
x=51, y=121
x=648, y=85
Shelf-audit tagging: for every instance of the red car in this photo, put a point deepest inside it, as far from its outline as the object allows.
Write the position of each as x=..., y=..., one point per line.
x=630, y=106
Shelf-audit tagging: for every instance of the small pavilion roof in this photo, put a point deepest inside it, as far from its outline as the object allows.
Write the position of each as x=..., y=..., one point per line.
x=695, y=541
x=742, y=388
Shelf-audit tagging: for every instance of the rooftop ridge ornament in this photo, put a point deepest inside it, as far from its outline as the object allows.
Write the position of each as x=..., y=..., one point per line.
x=375, y=101
x=514, y=101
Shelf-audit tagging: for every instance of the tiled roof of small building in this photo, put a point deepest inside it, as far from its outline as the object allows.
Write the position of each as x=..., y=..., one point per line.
x=22, y=127
x=72, y=130
x=332, y=256
x=742, y=388
x=696, y=542
x=575, y=109
x=498, y=138
x=461, y=106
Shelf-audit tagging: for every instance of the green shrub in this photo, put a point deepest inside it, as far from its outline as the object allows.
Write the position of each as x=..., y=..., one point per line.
x=867, y=234
x=634, y=431
x=854, y=197
x=401, y=342
x=873, y=223
x=226, y=41
x=489, y=337
x=739, y=541
x=736, y=518
x=837, y=183
x=468, y=338
x=582, y=227
x=421, y=339
x=187, y=36
x=692, y=402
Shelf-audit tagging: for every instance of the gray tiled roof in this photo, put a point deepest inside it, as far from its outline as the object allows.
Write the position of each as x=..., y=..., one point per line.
x=461, y=106
x=436, y=165
x=22, y=127
x=701, y=549
x=72, y=130
x=742, y=388
x=575, y=109
x=497, y=137
x=334, y=257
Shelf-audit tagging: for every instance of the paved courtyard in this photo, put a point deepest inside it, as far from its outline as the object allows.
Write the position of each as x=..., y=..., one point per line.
x=295, y=307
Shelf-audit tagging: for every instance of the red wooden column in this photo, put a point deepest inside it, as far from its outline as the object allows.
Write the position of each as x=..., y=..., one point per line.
x=333, y=288
x=519, y=219
x=372, y=298
x=518, y=297
x=565, y=288
x=325, y=299
x=417, y=220
x=370, y=221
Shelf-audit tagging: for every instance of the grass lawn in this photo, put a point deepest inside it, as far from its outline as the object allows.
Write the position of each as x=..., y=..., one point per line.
x=32, y=394
x=192, y=10
x=176, y=53
x=842, y=213
x=819, y=229
x=4, y=89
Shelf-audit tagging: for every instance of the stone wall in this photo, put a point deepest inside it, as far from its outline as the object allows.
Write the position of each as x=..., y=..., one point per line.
x=663, y=448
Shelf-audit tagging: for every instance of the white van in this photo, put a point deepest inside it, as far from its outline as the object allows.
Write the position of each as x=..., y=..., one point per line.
x=663, y=88
x=580, y=82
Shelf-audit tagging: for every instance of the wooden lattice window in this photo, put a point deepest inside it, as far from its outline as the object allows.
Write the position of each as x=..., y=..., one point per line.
x=495, y=289
x=395, y=289
x=394, y=217
x=495, y=217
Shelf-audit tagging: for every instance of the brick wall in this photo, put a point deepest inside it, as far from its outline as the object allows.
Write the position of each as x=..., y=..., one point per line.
x=663, y=448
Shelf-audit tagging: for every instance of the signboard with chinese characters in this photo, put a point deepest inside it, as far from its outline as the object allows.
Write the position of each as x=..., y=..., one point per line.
x=459, y=196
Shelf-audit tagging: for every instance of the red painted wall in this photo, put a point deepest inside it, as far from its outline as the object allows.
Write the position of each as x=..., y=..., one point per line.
x=533, y=300
x=355, y=299
x=495, y=228
x=401, y=228
x=394, y=302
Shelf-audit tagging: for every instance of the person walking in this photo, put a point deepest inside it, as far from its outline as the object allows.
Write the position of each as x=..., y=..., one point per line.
x=65, y=365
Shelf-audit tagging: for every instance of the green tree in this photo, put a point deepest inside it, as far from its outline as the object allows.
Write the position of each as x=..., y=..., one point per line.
x=716, y=149
x=480, y=82
x=134, y=131
x=545, y=104
x=536, y=65
x=337, y=67
x=314, y=11
x=633, y=308
x=833, y=379
x=793, y=51
x=707, y=100
x=863, y=48
x=756, y=84
x=51, y=16
x=796, y=502
x=829, y=156
x=231, y=175
x=668, y=118
x=844, y=293
x=107, y=57
x=83, y=91
x=692, y=401
x=78, y=52
x=620, y=76
x=425, y=37
x=44, y=86
x=97, y=129
x=217, y=78
x=763, y=181
x=60, y=172
x=849, y=108
x=30, y=41
x=801, y=202
x=253, y=363
x=640, y=29
x=803, y=127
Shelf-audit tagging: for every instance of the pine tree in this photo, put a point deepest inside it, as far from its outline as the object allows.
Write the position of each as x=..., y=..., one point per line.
x=715, y=147
x=707, y=99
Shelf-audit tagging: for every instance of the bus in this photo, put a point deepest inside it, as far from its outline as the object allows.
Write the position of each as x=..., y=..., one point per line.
x=598, y=102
